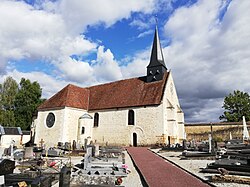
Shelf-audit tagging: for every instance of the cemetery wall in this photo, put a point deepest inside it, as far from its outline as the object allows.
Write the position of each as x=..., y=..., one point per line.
x=220, y=132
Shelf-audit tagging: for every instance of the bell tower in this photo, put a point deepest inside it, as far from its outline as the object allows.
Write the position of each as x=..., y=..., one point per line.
x=156, y=67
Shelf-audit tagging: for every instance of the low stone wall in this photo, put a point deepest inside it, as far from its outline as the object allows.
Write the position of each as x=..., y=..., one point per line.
x=220, y=131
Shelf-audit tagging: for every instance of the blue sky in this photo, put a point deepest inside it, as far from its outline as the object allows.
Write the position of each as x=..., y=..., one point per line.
x=89, y=42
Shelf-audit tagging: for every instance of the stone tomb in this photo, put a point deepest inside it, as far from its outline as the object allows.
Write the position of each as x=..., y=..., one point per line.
x=102, y=166
x=7, y=166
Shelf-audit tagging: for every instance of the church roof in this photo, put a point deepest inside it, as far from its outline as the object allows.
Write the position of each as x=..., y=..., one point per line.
x=124, y=93
x=71, y=96
x=156, y=58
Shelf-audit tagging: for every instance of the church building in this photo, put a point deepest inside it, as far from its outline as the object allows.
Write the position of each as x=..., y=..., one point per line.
x=138, y=111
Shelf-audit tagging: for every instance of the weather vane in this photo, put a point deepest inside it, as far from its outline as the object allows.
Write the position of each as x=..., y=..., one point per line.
x=156, y=19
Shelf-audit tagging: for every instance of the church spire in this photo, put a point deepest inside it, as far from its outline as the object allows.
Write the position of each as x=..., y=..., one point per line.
x=156, y=67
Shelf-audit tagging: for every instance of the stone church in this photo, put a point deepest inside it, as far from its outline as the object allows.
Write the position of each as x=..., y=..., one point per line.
x=132, y=112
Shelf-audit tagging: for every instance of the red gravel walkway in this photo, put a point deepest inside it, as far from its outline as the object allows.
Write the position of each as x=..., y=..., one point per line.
x=160, y=173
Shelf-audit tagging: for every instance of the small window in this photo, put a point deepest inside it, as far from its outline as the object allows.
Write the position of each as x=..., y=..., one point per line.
x=96, y=120
x=83, y=130
x=131, y=117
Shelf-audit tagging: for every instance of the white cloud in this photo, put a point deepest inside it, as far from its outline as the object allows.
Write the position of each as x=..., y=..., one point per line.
x=50, y=31
x=25, y=32
x=137, y=64
x=80, y=13
x=209, y=57
x=49, y=84
x=75, y=71
x=140, y=24
x=106, y=68
x=143, y=34
x=77, y=46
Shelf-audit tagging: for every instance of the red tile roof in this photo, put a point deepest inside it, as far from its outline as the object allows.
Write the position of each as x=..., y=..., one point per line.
x=70, y=96
x=124, y=93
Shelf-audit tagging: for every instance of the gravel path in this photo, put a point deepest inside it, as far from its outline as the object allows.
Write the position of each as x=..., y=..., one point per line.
x=133, y=178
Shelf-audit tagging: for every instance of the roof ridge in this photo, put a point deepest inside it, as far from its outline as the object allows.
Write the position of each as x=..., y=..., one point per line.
x=122, y=80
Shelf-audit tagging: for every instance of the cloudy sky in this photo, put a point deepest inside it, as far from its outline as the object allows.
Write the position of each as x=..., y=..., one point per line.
x=206, y=45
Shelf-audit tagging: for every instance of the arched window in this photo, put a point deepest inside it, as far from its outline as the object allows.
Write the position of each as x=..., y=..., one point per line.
x=96, y=120
x=131, y=117
x=83, y=130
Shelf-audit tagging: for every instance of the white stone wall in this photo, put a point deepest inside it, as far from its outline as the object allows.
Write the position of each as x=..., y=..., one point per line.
x=173, y=118
x=72, y=123
x=64, y=130
x=114, y=129
x=88, y=125
x=6, y=140
x=49, y=135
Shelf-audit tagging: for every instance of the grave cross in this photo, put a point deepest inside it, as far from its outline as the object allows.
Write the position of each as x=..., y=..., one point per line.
x=41, y=142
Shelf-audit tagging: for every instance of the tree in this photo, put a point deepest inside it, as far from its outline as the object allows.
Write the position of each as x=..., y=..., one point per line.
x=8, y=92
x=27, y=100
x=236, y=105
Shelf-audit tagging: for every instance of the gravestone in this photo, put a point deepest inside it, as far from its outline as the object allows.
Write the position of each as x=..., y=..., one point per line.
x=64, y=180
x=1, y=152
x=18, y=155
x=96, y=150
x=33, y=180
x=78, y=146
x=87, y=157
x=7, y=166
x=2, y=180
x=192, y=144
x=53, y=152
x=28, y=152
x=60, y=145
x=74, y=145
x=85, y=143
x=184, y=144
x=67, y=146
x=210, y=143
x=12, y=149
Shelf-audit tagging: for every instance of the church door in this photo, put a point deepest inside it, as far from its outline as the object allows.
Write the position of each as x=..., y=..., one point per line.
x=134, y=139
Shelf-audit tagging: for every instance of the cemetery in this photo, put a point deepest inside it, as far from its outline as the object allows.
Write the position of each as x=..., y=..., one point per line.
x=214, y=163
x=219, y=163
x=92, y=164
x=58, y=166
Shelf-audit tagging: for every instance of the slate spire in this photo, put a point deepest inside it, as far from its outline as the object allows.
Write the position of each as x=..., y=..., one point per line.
x=156, y=67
